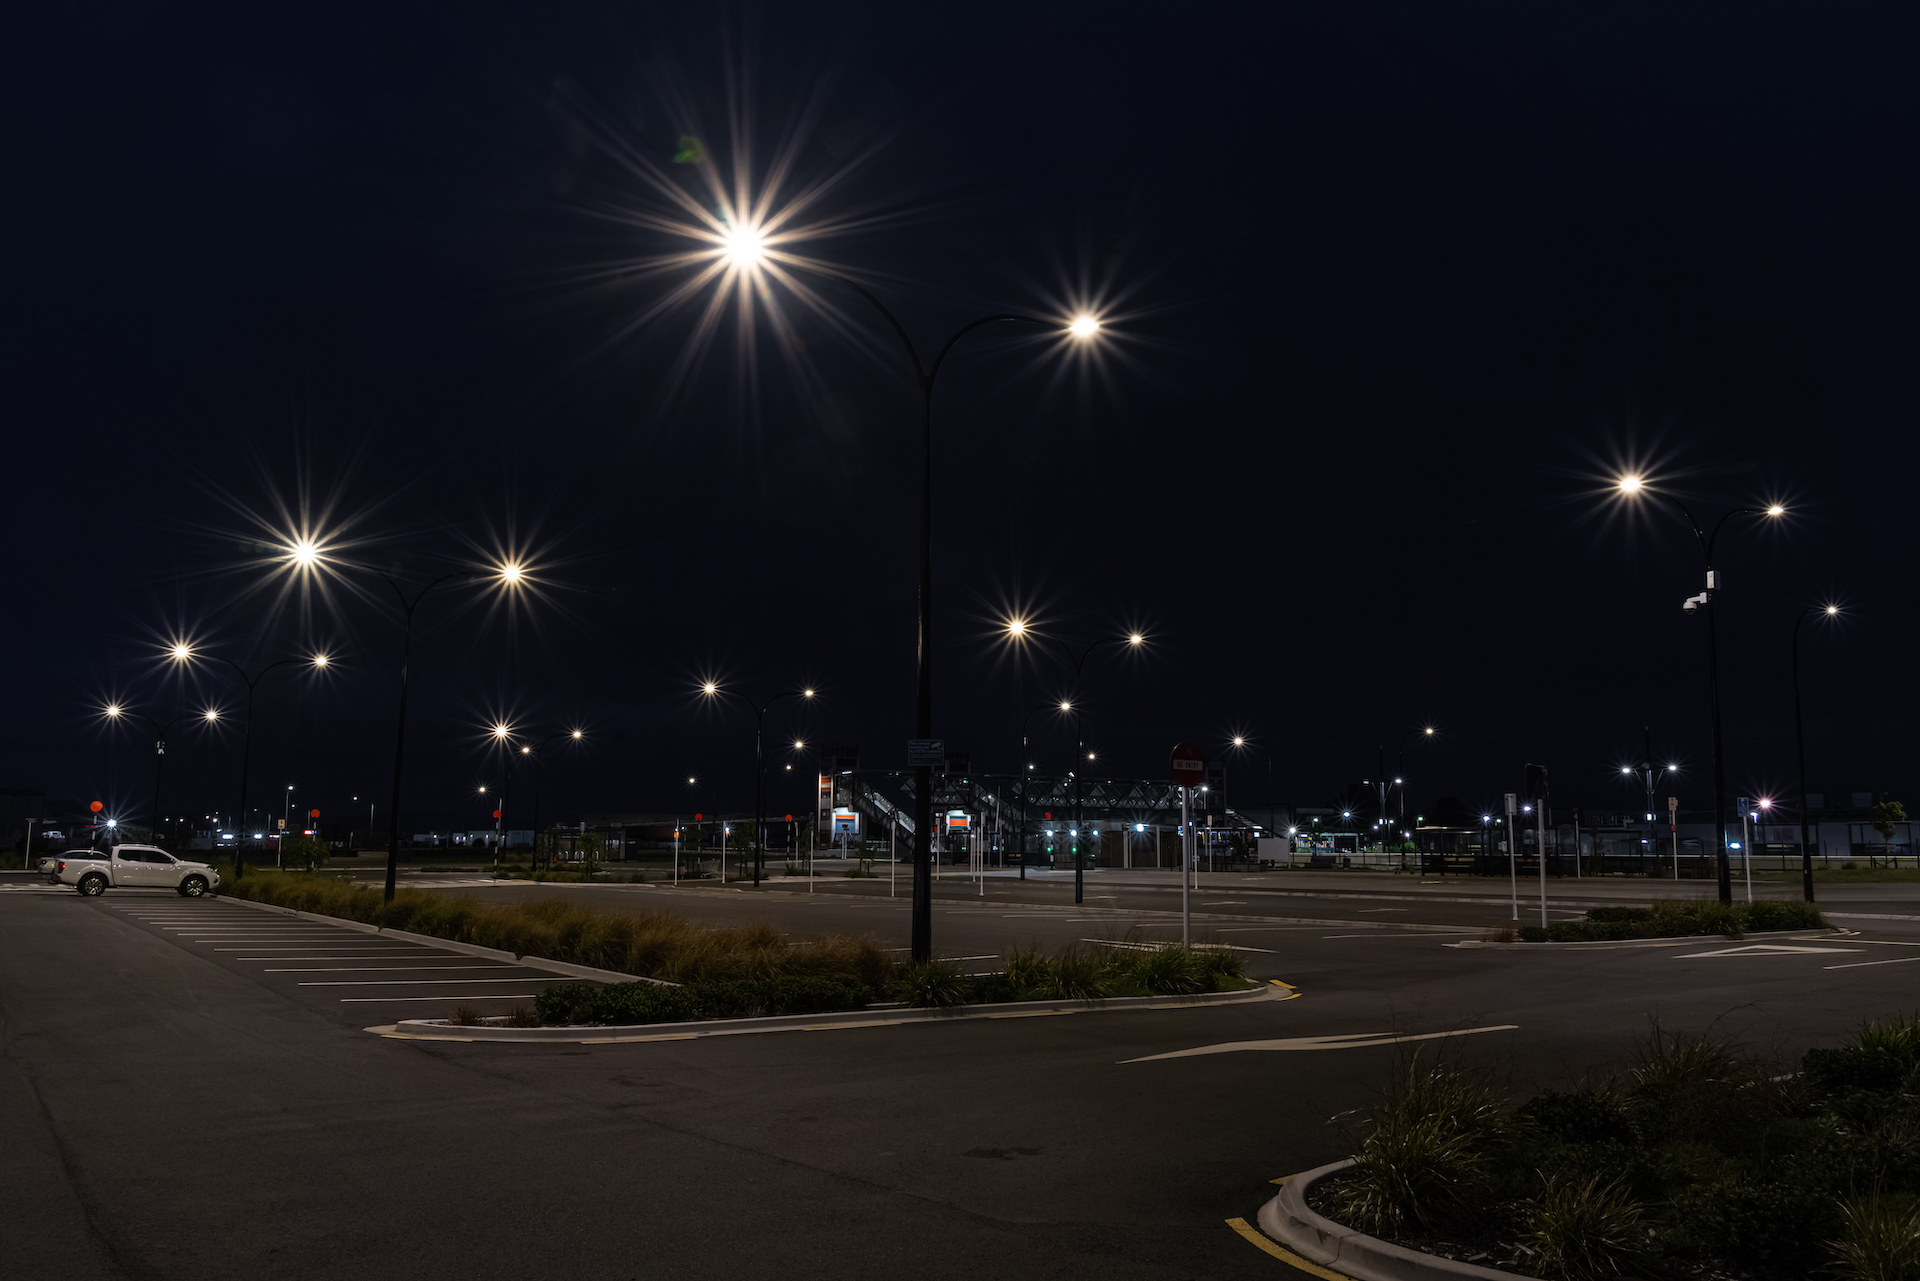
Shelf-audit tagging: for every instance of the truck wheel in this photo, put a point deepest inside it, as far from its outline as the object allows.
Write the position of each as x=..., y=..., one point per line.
x=93, y=885
x=193, y=887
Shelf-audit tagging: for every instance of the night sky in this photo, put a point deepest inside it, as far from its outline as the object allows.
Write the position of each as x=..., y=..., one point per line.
x=1390, y=292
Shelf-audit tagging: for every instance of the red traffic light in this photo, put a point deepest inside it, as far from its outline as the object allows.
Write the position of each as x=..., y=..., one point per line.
x=1048, y=814
x=96, y=807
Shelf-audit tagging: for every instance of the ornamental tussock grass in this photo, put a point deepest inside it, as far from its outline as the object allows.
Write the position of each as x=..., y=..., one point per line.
x=1428, y=1149
x=660, y=945
x=1585, y=1229
x=1882, y=1240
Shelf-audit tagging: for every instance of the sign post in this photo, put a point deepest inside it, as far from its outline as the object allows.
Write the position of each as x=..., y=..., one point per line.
x=1513, y=867
x=1746, y=841
x=1673, y=833
x=1189, y=770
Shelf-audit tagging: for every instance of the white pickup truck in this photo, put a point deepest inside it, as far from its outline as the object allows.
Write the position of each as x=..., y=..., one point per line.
x=134, y=865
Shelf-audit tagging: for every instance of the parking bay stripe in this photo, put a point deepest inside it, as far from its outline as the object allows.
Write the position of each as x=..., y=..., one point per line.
x=471, y=996
x=385, y=969
x=403, y=982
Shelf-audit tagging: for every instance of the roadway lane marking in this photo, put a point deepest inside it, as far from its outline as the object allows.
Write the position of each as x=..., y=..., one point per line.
x=1383, y=909
x=1352, y=1041
x=1872, y=916
x=1283, y=1254
x=1762, y=949
x=1448, y=933
x=1854, y=965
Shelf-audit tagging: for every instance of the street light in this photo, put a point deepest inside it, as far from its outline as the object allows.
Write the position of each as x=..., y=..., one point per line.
x=1800, y=746
x=1632, y=487
x=115, y=712
x=1133, y=640
x=712, y=689
x=186, y=652
x=1026, y=774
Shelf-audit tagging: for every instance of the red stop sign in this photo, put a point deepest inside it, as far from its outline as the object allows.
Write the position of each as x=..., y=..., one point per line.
x=96, y=807
x=696, y=818
x=496, y=813
x=789, y=818
x=313, y=813
x=1189, y=766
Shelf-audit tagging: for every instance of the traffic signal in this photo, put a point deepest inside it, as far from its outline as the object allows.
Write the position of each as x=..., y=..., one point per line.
x=1536, y=782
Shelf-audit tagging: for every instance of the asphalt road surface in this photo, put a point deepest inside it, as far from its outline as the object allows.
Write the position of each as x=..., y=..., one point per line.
x=190, y=1091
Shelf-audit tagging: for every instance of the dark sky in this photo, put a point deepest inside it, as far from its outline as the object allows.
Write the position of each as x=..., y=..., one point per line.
x=1391, y=290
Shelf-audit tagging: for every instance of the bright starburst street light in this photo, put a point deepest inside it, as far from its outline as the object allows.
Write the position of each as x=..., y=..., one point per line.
x=743, y=246
x=113, y=709
x=181, y=652
x=1135, y=638
x=211, y=714
x=501, y=730
x=1776, y=510
x=1630, y=484
x=1238, y=741
x=1084, y=326
x=1066, y=706
x=709, y=688
x=1016, y=627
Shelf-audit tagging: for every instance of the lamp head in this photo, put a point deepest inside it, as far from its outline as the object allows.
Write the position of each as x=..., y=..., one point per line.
x=211, y=714
x=1776, y=510
x=512, y=572
x=1135, y=638
x=709, y=688
x=321, y=660
x=304, y=553
x=1832, y=610
x=1630, y=484
x=1065, y=706
x=113, y=709
x=1016, y=628
x=181, y=652
x=501, y=731
x=743, y=246
x=1083, y=327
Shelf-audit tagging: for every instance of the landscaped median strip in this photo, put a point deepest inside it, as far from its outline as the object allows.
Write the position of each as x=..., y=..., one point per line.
x=586, y=1034
x=1325, y=1245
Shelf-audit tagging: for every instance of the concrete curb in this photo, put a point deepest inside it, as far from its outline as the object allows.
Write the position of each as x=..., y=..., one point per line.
x=1288, y=1220
x=468, y=949
x=440, y=1030
x=1685, y=940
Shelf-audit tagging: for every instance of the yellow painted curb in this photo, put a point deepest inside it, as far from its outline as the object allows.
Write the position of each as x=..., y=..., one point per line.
x=1283, y=1254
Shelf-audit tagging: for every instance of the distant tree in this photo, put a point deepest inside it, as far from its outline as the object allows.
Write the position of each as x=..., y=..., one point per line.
x=308, y=853
x=1884, y=815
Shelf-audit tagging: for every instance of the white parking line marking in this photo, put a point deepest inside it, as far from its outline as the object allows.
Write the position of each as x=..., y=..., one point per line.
x=340, y=956
x=1854, y=965
x=476, y=996
x=1764, y=949
x=402, y=982
x=383, y=969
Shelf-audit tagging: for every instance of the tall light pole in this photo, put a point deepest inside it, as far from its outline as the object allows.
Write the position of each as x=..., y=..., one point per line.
x=115, y=712
x=1425, y=734
x=509, y=574
x=1133, y=640
x=1800, y=748
x=533, y=752
x=925, y=376
x=1026, y=773
x=183, y=652
x=712, y=689
x=1633, y=486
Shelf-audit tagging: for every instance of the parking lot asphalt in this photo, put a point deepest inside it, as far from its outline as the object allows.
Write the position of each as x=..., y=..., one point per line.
x=177, y=1109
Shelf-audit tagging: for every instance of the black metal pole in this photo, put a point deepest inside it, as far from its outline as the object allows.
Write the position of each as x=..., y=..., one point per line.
x=399, y=759
x=1723, y=868
x=1800, y=753
x=759, y=792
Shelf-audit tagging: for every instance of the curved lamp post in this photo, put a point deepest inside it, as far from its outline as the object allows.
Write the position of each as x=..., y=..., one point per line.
x=115, y=712
x=1018, y=629
x=1026, y=772
x=712, y=689
x=1800, y=748
x=925, y=377
x=1633, y=486
x=182, y=653
x=533, y=752
x=509, y=574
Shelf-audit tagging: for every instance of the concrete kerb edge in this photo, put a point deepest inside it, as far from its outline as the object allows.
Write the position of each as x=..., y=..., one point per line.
x=1684, y=940
x=1289, y=1220
x=440, y=1030
x=468, y=949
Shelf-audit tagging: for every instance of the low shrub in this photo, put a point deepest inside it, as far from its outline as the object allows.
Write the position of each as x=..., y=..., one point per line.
x=1671, y=918
x=630, y=1003
x=465, y=1016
